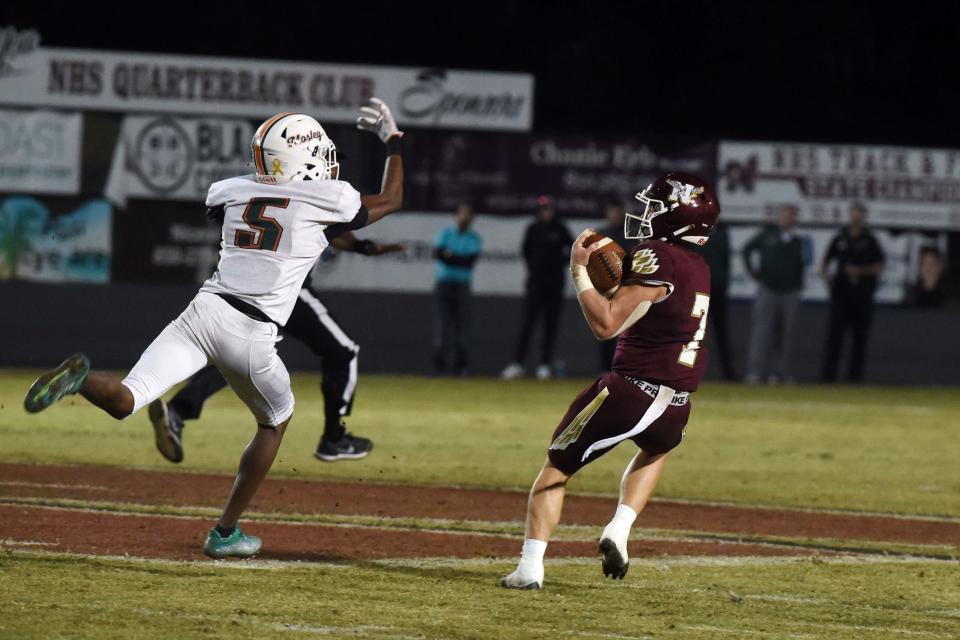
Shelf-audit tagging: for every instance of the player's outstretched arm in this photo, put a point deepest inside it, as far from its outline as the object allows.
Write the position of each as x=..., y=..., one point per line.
x=346, y=241
x=377, y=118
x=607, y=318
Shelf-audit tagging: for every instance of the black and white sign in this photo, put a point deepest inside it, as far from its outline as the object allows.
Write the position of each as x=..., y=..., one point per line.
x=166, y=158
x=901, y=187
x=137, y=82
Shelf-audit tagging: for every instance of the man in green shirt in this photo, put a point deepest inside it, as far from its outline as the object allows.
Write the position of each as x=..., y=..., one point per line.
x=774, y=258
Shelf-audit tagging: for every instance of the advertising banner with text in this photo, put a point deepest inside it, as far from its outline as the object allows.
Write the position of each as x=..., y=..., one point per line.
x=901, y=187
x=40, y=151
x=505, y=174
x=146, y=82
x=166, y=158
x=55, y=240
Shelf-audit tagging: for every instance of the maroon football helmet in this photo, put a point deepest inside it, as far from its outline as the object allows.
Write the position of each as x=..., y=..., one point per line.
x=678, y=207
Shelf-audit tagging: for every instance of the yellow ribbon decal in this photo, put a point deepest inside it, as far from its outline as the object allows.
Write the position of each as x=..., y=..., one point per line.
x=276, y=167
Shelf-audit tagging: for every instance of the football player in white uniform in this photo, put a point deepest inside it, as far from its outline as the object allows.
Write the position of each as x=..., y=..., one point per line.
x=273, y=232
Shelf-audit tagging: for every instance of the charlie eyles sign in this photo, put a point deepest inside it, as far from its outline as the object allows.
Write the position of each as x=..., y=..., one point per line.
x=114, y=81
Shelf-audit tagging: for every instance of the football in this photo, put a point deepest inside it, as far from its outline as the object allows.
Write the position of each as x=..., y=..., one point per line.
x=605, y=266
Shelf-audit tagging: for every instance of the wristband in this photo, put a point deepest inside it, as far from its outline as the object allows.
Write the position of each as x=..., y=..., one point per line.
x=394, y=146
x=581, y=279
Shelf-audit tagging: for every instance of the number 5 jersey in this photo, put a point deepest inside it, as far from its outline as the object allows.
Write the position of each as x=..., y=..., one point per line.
x=272, y=236
x=666, y=345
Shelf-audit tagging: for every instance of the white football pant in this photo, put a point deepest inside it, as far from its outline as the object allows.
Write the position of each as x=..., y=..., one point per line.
x=243, y=349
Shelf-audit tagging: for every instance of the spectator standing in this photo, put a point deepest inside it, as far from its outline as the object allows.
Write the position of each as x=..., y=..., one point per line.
x=928, y=289
x=774, y=258
x=859, y=263
x=456, y=250
x=613, y=229
x=717, y=254
x=546, y=252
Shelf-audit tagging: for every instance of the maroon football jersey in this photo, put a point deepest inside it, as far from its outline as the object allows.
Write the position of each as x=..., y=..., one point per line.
x=666, y=345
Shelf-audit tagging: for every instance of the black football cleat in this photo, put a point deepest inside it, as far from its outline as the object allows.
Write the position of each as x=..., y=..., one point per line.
x=615, y=562
x=167, y=428
x=349, y=447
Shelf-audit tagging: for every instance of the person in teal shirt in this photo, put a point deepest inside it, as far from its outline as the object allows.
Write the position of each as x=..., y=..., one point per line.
x=456, y=250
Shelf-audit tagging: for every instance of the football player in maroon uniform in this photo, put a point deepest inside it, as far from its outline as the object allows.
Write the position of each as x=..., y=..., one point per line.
x=658, y=316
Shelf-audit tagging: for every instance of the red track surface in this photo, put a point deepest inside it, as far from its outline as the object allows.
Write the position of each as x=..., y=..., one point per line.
x=180, y=538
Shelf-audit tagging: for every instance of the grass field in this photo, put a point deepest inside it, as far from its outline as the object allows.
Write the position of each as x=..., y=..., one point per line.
x=858, y=449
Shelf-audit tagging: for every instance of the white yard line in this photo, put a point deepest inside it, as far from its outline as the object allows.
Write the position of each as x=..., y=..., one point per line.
x=51, y=485
x=10, y=542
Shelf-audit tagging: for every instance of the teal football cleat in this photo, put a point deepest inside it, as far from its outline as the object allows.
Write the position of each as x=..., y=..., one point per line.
x=237, y=544
x=56, y=383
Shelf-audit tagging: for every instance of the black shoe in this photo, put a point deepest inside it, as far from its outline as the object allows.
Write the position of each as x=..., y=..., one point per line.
x=349, y=447
x=167, y=427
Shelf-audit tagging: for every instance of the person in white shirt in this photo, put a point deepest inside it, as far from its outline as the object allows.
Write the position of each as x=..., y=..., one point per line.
x=274, y=224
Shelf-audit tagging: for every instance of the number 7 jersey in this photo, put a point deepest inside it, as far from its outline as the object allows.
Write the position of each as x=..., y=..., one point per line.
x=666, y=345
x=272, y=236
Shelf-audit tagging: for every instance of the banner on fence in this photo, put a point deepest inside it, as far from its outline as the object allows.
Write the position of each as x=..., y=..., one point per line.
x=41, y=245
x=40, y=152
x=901, y=187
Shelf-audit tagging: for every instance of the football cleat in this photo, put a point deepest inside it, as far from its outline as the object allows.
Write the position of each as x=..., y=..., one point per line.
x=167, y=429
x=544, y=372
x=525, y=581
x=615, y=561
x=53, y=385
x=349, y=447
x=237, y=545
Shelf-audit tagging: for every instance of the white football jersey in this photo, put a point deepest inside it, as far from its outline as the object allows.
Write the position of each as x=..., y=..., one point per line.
x=272, y=235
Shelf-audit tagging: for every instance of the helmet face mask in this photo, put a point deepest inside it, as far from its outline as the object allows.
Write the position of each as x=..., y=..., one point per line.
x=640, y=226
x=293, y=146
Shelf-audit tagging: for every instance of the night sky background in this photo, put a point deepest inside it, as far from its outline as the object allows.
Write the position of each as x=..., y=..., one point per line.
x=807, y=71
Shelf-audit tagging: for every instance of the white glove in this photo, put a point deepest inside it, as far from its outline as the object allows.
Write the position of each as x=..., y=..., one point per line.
x=378, y=119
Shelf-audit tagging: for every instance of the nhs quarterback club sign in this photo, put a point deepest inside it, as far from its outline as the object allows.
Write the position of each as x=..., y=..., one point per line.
x=138, y=82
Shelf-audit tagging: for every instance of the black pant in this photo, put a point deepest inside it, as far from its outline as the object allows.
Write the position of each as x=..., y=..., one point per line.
x=312, y=324
x=451, y=325
x=718, y=329
x=542, y=300
x=852, y=311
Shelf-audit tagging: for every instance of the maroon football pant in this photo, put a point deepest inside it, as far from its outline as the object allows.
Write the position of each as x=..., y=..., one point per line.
x=610, y=406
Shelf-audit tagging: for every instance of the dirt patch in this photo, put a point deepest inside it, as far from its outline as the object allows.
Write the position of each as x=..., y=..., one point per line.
x=311, y=496
x=101, y=533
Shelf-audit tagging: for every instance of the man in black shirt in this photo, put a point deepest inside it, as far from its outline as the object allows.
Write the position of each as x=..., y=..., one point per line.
x=546, y=251
x=859, y=262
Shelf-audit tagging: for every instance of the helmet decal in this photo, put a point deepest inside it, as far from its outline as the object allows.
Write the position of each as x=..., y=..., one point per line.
x=684, y=193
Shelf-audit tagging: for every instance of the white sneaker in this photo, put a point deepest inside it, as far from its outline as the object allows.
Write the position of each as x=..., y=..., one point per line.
x=613, y=547
x=530, y=580
x=513, y=371
x=544, y=372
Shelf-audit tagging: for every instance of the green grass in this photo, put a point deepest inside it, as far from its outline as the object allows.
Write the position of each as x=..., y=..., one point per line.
x=53, y=597
x=867, y=449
